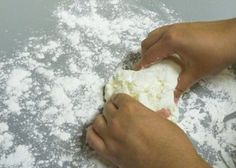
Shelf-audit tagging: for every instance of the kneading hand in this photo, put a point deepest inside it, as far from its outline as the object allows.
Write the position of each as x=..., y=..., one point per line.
x=132, y=136
x=204, y=48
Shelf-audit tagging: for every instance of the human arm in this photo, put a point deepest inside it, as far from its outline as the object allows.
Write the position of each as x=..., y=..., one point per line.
x=132, y=136
x=204, y=48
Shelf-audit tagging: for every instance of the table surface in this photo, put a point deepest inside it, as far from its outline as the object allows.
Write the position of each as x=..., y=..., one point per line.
x=42, y=123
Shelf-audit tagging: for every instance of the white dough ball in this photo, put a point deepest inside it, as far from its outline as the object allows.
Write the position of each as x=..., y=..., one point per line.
x=153, y=87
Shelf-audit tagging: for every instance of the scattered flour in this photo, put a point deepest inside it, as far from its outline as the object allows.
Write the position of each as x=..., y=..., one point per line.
x=211, y=107
x=18, y=83
x=20, y=158
x=5, y=137
x=52, y=87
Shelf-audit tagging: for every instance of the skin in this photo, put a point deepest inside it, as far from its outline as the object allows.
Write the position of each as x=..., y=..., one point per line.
x=204, y=48
x=132, y=136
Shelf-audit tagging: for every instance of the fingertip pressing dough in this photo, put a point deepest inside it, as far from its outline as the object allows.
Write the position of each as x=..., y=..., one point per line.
x=153, y=87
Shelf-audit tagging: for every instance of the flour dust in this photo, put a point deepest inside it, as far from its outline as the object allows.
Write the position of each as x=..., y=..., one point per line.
x=51, y=88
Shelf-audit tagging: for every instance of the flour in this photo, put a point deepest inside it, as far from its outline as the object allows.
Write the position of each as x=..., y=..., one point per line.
x=5, y=137
x=52, y=87
x=17, y=84
x=217, y=135
x=21, y=158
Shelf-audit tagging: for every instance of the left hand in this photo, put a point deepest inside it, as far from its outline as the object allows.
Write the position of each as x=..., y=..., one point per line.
x=132, y=136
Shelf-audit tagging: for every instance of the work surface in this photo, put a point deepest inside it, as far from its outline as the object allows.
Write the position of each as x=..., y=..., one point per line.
x=56, y=57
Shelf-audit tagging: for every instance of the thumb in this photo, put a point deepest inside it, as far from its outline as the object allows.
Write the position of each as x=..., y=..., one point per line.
x=185, y=81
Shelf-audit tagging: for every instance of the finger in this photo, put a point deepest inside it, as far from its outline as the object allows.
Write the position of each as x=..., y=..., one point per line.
x=109, y=110
x=151, y=40
x=158, y=31
x=165, y=113
x=100, y=125
x=185, y=81
x=154, y=54
x=120, y=99
x=95, y=142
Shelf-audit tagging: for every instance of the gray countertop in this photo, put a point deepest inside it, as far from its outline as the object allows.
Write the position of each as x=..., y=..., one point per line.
x=51, y=81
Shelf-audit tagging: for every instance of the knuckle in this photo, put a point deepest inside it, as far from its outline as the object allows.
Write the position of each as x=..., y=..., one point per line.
x=129, y=107
x=115, y=125
x=172, y=35
x=116, y=130
x=98, y=122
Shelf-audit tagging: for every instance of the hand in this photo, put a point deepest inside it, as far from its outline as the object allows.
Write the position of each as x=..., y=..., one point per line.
x=204, y=48
x=132, y=136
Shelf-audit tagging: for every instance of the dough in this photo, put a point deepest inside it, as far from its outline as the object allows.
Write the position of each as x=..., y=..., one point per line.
x=154, y=86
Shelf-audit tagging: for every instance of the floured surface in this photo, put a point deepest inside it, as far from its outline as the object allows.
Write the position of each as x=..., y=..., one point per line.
x=210, y=118
x=52, y=87
x=153, y=87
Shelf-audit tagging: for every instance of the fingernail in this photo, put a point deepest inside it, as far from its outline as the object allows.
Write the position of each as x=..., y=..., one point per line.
x=138, y=67
x=176, y=100
x=167, y=112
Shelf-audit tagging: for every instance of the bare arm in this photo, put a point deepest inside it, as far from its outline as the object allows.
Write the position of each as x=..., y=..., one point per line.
x=204, y=48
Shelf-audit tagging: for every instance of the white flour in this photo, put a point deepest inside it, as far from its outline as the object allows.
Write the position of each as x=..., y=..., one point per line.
x=21, y=157
x=215, y=103
x=53, y=87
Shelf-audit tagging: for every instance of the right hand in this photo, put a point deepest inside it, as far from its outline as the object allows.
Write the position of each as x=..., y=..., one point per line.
x=132, y=136
x=204, y=48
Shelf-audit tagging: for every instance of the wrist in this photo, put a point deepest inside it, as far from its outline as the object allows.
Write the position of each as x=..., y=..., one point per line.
x=230, y=31
x=193, y=161
x=200, y=163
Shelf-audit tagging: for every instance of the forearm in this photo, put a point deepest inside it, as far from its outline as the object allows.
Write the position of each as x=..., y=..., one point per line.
x=230, y=33
x=202, y=164
x=196, y=162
